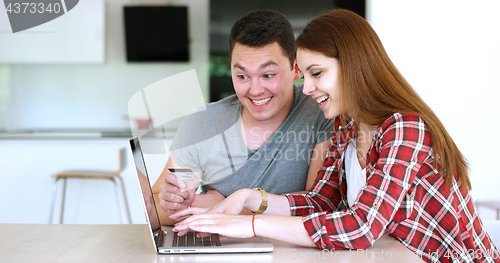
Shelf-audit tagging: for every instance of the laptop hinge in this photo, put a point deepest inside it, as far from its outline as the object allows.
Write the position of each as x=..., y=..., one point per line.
x=159, y=237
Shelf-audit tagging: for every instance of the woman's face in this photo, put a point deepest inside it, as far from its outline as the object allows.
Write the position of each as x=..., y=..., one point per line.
x=322, y=80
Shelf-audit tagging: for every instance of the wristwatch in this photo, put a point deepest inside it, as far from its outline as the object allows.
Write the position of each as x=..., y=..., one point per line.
x=263, y=205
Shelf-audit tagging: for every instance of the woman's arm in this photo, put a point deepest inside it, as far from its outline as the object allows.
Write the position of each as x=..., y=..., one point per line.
x=284, y=228
x=242, y=199
x=224, y=218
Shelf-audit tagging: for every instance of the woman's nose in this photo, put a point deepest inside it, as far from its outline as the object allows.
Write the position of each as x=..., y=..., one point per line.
x=308, y=87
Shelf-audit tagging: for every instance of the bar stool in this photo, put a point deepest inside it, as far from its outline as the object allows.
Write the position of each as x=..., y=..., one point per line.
x=114, y=176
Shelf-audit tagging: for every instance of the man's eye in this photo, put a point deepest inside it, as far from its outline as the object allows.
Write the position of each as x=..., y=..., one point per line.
x=268, y=76
x=241, y=77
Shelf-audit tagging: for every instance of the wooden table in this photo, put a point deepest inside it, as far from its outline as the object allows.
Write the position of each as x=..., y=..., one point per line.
x=132, y=243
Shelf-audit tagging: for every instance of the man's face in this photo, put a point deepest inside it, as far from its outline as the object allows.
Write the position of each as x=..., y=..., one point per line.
x=263, y=79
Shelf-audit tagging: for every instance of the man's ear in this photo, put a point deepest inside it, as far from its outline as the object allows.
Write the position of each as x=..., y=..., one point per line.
x=296, y=71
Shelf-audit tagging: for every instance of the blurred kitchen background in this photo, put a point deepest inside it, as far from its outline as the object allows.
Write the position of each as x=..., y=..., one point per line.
x=65, y=87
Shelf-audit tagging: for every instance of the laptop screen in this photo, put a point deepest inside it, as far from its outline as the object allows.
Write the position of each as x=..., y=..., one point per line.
x=149, y=203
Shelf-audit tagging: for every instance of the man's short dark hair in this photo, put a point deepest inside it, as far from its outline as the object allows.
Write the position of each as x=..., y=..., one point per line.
x=262, y=27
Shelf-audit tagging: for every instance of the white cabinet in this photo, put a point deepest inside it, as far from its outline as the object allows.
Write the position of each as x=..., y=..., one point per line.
x=75, y=37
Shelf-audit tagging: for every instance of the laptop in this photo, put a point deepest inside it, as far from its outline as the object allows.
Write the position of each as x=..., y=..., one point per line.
x=166, y=241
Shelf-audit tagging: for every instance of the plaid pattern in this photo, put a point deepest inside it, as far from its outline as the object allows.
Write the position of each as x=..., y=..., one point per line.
x=404, y=197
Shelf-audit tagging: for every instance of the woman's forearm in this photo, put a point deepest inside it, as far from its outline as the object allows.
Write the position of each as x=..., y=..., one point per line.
x=276, y=204
x=284, y=228
x=276, y=222
x=224, y=218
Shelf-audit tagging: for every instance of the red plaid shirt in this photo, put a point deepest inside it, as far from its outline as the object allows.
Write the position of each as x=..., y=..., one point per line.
x=404, y=197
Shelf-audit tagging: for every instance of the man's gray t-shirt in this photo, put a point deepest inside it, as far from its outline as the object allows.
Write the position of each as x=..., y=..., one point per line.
x=210, y=140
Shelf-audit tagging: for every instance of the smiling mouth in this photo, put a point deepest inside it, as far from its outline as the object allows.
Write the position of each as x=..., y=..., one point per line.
x=322, y=100
x=261, y=102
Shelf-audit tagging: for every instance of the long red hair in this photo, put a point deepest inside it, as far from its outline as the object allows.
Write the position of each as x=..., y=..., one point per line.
x=373, y=89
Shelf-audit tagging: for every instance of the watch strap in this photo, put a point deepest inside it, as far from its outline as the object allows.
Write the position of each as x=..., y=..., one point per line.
x=263, y=204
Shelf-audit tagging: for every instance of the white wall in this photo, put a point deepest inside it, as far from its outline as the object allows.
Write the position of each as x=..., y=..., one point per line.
x=449, y=51
x=95, y=96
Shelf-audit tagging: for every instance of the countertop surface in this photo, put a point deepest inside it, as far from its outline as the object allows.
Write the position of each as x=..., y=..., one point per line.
x=133, y=243
x=95, y=133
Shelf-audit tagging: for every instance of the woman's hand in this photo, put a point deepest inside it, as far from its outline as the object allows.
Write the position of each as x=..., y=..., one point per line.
x=209, y=199
x=233, y=205
x=203, y=201
x=237, y=226
x=289, y=229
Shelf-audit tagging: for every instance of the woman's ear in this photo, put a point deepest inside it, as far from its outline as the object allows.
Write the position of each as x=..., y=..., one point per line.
x=296, y=71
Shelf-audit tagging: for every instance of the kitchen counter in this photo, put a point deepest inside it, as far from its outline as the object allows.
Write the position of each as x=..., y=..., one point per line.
x=79, y=134
x=30, y=157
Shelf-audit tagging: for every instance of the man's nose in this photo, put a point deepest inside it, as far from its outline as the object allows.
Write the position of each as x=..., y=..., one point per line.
x=256, y=87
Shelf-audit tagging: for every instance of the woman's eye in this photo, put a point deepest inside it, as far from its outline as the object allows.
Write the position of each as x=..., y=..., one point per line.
x=315, y=74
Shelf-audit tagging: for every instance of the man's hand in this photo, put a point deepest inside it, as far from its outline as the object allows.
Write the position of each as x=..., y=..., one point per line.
x=173, y=196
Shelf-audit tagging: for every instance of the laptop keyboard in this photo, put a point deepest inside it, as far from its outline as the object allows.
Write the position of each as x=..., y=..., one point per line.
x=191, y=240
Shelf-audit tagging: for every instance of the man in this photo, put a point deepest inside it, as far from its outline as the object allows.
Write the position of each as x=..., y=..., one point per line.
x=268, y=135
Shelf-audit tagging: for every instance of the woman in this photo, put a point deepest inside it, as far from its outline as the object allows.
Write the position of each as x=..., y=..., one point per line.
x=391, y=163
